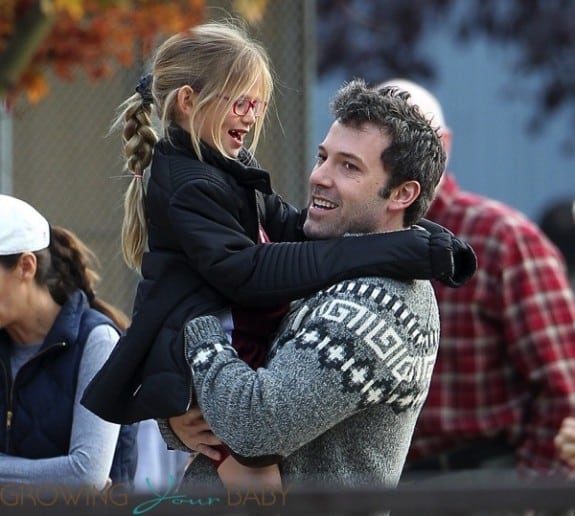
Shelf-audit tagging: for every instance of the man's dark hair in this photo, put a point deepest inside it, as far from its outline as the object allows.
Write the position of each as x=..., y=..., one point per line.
x=415, y=152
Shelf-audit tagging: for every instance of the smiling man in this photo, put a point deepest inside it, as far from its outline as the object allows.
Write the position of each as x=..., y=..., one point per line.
x=351, y=365
x=350, y=200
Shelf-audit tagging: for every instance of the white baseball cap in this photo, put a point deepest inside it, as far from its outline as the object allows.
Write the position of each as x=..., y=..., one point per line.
x=22, y=228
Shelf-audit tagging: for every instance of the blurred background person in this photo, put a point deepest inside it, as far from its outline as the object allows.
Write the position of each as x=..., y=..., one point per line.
x=558, y=223
x=504, y=379
x=54, y=335
x=159, y=468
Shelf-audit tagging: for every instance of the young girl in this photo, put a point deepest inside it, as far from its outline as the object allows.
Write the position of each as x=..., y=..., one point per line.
x=207, y=216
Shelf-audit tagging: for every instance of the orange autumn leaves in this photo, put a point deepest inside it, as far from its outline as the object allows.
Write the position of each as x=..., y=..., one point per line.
x=94, y=35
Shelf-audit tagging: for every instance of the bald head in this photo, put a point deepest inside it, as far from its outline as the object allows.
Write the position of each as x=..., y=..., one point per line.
x=427, y=103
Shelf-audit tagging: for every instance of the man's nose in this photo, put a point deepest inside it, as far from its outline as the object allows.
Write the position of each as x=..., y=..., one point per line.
x=320, y=175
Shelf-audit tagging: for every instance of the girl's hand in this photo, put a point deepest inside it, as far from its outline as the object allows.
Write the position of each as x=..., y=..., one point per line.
x=194, y=432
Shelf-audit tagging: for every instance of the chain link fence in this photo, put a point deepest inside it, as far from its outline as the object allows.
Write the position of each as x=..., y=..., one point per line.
x=66, y=165
x=65, y=162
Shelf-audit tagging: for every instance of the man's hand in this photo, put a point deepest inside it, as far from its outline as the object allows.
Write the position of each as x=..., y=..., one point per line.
x=565, y=441
x=194, y=432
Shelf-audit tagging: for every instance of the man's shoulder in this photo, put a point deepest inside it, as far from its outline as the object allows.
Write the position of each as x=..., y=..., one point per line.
x=373, y=294
x=376, y=288
x=470, y=209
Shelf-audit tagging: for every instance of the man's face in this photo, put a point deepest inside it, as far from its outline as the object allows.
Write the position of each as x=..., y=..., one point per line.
x=345, y=182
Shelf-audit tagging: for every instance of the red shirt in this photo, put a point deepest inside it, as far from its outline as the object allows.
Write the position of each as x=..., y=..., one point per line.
x=506, y=361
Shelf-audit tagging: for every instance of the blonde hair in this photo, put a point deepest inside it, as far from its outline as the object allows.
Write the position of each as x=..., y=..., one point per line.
x=220, y=63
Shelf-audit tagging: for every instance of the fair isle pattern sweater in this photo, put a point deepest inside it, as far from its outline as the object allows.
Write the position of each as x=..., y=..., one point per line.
x=338, y=400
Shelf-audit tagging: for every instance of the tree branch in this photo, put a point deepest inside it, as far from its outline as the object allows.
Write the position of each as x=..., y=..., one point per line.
x=29, y=33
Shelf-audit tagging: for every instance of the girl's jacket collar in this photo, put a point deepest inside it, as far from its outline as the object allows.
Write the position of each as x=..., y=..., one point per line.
x=245, y=169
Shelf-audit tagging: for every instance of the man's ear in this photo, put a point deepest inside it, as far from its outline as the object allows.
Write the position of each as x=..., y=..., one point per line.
x=185, y=99
x=404, y=195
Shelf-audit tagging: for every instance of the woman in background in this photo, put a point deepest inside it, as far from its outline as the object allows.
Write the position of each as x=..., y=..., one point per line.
x=54, y=335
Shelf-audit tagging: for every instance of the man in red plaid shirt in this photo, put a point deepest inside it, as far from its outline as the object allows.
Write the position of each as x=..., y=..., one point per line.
x=504, y=379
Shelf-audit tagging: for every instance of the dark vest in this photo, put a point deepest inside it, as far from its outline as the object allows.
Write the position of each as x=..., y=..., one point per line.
x=36, y=410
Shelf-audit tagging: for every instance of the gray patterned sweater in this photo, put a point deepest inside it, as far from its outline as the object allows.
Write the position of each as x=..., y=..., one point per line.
x=338, y=400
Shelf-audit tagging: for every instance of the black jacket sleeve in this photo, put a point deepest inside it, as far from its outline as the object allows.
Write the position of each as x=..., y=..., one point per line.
x=282, y=222
x=258, y=275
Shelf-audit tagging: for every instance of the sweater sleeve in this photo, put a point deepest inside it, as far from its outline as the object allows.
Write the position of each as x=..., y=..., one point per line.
x=320, y=375
x=258, y=275
x=92, y=441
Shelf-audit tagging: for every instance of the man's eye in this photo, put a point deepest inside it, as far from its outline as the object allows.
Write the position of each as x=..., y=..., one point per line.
x=349, y=166
x=320, y=158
